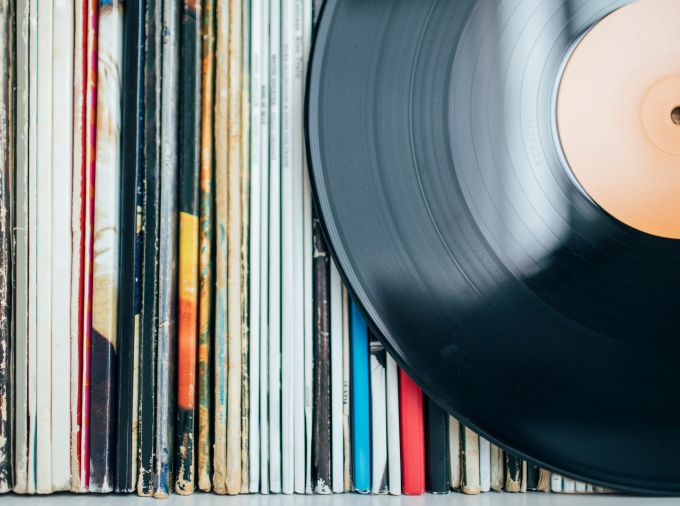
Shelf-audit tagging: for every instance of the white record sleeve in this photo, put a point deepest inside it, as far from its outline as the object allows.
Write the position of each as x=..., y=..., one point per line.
x=393, y=441
x=307, y=14
x=262, y=96
x=555, y=483
x=455, y=470
x=62, y=165
x=484, y=465
x=378, y=420
x=255, y=267
x=44, y=249
x=275, y=264
x=337, y=463
x=581, y=487
x=568, y=486
x=21, y=310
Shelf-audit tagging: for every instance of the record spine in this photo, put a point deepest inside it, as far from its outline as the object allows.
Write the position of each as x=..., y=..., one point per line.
x=167, y=264
x=149, y=313
x=543, y=481
x=321, y=436
x=411, y=425
x=336, y=371
x=203, y=469
x=455, y=471
x=532, y=476
x=393, y=436
x=221, y=253
x=497, y=469
x=347, y=478
x=361, y=410
x=43, y=250
x=555, y=483
x=189, y=177
x=436, y=439
x=262, y=97
x=254, y=246
x=470, y=461
x=275, y=306
x=484, y=465
x=130, y=258
x=20, y=348
x=77, y=233
x=234, y=320
x=513, y=473
x=244, y=249
x=379, y=483
x=92, y=57
x=62, y=152
x=6, y=238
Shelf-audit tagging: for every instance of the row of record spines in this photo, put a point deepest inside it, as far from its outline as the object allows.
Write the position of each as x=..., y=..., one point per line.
x=168, y=314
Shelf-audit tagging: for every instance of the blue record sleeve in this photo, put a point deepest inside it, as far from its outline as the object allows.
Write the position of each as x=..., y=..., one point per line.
x=361, y=415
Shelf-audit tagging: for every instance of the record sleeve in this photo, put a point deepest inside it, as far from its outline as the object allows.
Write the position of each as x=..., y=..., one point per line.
x=21, y=258
x=6, y=289
x=206, y=272
x=244, y=265
x=131, y=202
x=275, y=323
x=322, y=425
x=149, y=315
x=336, y=357
x=43, y=250
x=62, y=169
x=361, y=408
x=412, y=428
x=484, y=465
x=544, y=481
x=377, y=364
x=393, y=436
x=455, y=471
x=556, y=483
x=167, y=264
x=470, y=461
x=437, y=449
x=513, y=473
x=348, y=460
x=497, y=469
x=221, y=258
x=189, y=175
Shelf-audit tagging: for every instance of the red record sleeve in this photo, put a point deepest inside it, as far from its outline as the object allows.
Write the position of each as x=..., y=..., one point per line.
x=412, y=436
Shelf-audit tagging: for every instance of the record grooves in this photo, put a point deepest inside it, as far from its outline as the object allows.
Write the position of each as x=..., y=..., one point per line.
x=509, y=294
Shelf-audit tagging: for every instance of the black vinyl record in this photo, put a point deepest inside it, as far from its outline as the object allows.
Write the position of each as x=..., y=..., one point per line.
x=506, y=292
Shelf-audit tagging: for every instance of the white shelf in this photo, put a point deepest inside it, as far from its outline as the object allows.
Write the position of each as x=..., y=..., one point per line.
x=490, y=499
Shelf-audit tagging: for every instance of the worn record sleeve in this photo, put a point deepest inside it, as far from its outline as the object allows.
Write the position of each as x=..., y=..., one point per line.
x=189, y=175
x=321, y=434
x=543, y=484
x=361, y=407
x=77, y=232
x=348, y=461
x=523, y=484
x=497, y=469
x=6, y=180
x=130, y=245
x=336, y=371
x=21, y=258
x=150, y=249
x=274, y=309
x=92, y=57
x=513, y=473
x=455, y=471
x=470, y=461
x=221, y=232
x=206, y=270
x=32, y=432
x=62, y=168
x=393, y=437
x=167, y=265
x=43, y=251
x=484, y=465
x=411, y=425
x=437, y=449
x=106, y=247
x=379, y=483
x=234, y=234
x=532, y=477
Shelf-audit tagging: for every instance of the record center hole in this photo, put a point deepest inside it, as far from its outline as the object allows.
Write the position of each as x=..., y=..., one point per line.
x=675, y=115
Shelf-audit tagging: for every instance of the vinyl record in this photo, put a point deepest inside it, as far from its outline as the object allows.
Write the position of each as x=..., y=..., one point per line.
x=498, y=183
